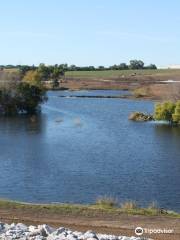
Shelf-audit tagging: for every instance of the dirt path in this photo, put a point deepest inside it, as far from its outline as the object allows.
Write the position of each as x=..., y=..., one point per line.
x=119, y=225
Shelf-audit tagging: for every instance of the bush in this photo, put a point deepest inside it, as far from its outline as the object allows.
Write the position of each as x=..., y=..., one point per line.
x=21, y=98
x=165, y=111
x=176, y=115
x=29, y=97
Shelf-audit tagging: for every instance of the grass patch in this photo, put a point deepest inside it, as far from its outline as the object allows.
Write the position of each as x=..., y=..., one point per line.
x=103, y=207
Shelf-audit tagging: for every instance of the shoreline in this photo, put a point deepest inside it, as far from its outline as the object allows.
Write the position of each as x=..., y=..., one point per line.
x=99, y=218
x=93, y=207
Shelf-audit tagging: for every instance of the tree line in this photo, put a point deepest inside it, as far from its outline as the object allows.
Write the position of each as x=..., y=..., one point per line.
x=62, y=68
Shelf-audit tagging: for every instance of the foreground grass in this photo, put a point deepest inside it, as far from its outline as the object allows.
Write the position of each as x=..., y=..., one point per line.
x=120, y=73
x=98, y=209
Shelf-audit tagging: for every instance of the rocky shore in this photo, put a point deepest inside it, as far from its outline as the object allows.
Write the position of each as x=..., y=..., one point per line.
x=45, y=232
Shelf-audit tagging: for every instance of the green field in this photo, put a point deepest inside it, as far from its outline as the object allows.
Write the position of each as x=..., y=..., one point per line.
x=121, y=73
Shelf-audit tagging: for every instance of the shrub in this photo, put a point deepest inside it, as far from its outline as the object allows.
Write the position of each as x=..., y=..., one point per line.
x=164, y=111
x=176, y=115
x=21, y=98
x=29, y=97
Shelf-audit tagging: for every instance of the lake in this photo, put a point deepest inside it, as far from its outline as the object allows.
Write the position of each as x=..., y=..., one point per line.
x=78, y=149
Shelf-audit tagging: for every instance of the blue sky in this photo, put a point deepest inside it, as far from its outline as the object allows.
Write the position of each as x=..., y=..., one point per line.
x=89, y=32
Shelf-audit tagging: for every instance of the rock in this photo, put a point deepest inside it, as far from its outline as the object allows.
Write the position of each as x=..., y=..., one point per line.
x=2, y=227
x=91, y=238
x=141, y=117
x=45, y=232
x=60, y=230
x=22, y=226
x=77, y=234
x=32, y=228
x=89, y=234
x=71, y=237
x=12, y=226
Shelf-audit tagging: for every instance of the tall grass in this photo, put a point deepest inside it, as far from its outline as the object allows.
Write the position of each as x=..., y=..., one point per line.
x=129, y=205
x=106, y=201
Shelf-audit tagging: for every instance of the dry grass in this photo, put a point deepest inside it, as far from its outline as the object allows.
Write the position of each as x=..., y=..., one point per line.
x=153, y=205
x=142, y=92
x=129, y=205
x=106, y=201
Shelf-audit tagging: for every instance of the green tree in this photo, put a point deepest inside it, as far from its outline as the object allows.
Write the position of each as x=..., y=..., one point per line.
x=151, y=66
x=176, y=115
x=56, y=72
x=136, y=64
x=21, y=98
x=23, y=69
x=123, y=66
x=164, y=111
x=33, y=78
x=101, y=68
x=28, y=97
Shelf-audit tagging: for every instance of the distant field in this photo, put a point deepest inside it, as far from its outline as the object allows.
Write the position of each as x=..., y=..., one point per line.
x=9, y=75
x=11, y=70
x=143, y=83
x=121, y=73
x=113, y=73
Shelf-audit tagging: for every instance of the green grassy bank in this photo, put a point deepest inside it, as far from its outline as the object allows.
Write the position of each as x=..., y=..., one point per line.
x=99, y=208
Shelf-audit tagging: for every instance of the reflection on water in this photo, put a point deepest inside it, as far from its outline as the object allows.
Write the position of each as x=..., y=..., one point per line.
x=31, y=124
x=166, y=129
x=78, y=149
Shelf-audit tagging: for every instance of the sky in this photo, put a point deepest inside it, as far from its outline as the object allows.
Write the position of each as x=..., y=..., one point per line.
x=89, y=32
